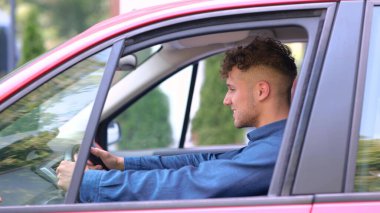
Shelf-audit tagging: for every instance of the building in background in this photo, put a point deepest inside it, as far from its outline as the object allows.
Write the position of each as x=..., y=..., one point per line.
x=8, y=51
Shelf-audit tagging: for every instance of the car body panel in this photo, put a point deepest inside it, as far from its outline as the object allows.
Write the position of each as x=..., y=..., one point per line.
x=253, y=204
x=258, y=209
x=367, y=207
x=311, y=175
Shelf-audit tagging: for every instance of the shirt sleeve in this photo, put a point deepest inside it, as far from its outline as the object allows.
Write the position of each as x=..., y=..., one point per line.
x=174, y=161
x=246, y=174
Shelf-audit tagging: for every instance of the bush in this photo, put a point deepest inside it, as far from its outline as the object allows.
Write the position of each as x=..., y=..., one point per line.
x=32, y=39
x=213, y=122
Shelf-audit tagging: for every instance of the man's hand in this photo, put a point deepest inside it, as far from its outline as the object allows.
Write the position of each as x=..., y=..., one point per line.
x=66, y=168
x=111, y=161
x=64, y=173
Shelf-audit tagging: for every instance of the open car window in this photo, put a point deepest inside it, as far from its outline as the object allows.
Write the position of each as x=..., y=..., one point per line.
x=184, y=109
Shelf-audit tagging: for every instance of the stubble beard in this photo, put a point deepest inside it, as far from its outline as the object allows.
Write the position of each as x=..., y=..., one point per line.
x=245, y=120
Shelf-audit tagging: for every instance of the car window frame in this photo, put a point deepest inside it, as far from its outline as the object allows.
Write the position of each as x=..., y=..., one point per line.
x=319, y=139
x=113, y=60
x=177, y=35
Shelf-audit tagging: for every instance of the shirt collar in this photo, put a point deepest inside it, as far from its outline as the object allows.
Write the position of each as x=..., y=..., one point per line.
x=266, y=130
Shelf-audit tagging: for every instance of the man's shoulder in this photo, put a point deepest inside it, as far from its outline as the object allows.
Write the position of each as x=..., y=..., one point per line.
x=265, y=146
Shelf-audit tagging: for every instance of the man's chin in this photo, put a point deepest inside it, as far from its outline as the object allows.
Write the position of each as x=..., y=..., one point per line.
x=241, y=125
x=238, y=125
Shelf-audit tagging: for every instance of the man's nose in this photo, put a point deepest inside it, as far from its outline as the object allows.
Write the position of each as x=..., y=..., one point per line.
x=226, y=100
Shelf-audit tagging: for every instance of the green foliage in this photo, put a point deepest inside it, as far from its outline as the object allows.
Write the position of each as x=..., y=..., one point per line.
x=16, y=154
x=367, y=177
x=70, y=17
x=213, y=122
x=5, y=6
x=145, y=124
x=32, y=40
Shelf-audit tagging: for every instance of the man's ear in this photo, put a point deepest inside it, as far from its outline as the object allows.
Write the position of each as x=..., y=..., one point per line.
x=263, y=90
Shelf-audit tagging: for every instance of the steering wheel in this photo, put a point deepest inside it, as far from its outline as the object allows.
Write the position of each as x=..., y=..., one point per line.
x=71, y=152
x=47, y=170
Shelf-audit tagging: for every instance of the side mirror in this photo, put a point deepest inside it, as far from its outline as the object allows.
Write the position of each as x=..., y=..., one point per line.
x=113, y=132
x=127, y=63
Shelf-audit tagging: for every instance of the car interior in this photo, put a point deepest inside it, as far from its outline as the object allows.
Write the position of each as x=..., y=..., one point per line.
x=169, y=58
x=182, y=52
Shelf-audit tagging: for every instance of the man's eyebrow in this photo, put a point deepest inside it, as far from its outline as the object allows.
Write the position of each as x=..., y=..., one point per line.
x=230, y=85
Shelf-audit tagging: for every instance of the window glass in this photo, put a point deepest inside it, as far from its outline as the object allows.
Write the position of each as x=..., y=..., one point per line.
x=42, y=128
x=367, y=176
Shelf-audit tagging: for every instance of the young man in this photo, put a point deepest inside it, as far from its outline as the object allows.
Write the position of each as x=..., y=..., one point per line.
x=259, y=78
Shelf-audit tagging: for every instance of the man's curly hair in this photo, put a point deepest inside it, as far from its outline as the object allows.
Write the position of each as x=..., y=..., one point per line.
x=261, y=52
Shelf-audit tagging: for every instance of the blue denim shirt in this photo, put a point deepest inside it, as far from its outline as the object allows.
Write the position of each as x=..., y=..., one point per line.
x=243, y=172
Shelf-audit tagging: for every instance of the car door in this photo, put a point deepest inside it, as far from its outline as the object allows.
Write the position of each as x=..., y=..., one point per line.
x=360, y=183
x=34, y=134
x=311, y=20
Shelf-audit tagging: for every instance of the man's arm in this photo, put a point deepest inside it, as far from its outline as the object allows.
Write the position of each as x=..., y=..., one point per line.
x=247, y=174
x=65, y=169
x=165, y=162
x=152, y=162
x=157, y=162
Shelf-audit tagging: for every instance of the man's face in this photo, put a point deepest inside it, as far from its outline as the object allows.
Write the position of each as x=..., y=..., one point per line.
x=241, y=99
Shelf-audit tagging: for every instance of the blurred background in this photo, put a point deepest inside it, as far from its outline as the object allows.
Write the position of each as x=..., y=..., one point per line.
x=29, y=28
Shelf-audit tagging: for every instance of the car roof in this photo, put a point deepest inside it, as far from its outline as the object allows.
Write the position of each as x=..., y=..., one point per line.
x=119, y=25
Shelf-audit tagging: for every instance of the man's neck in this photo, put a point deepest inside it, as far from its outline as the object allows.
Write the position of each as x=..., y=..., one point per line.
x=271, y=115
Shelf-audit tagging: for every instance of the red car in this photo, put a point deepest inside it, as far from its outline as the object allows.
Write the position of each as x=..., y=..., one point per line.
x=99, y=83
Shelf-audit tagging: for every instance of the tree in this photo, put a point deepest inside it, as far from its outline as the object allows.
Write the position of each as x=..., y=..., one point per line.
x=71, y=17
x=32, y=39
x=146, y=124
x=213, y=122
x=368, y=165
